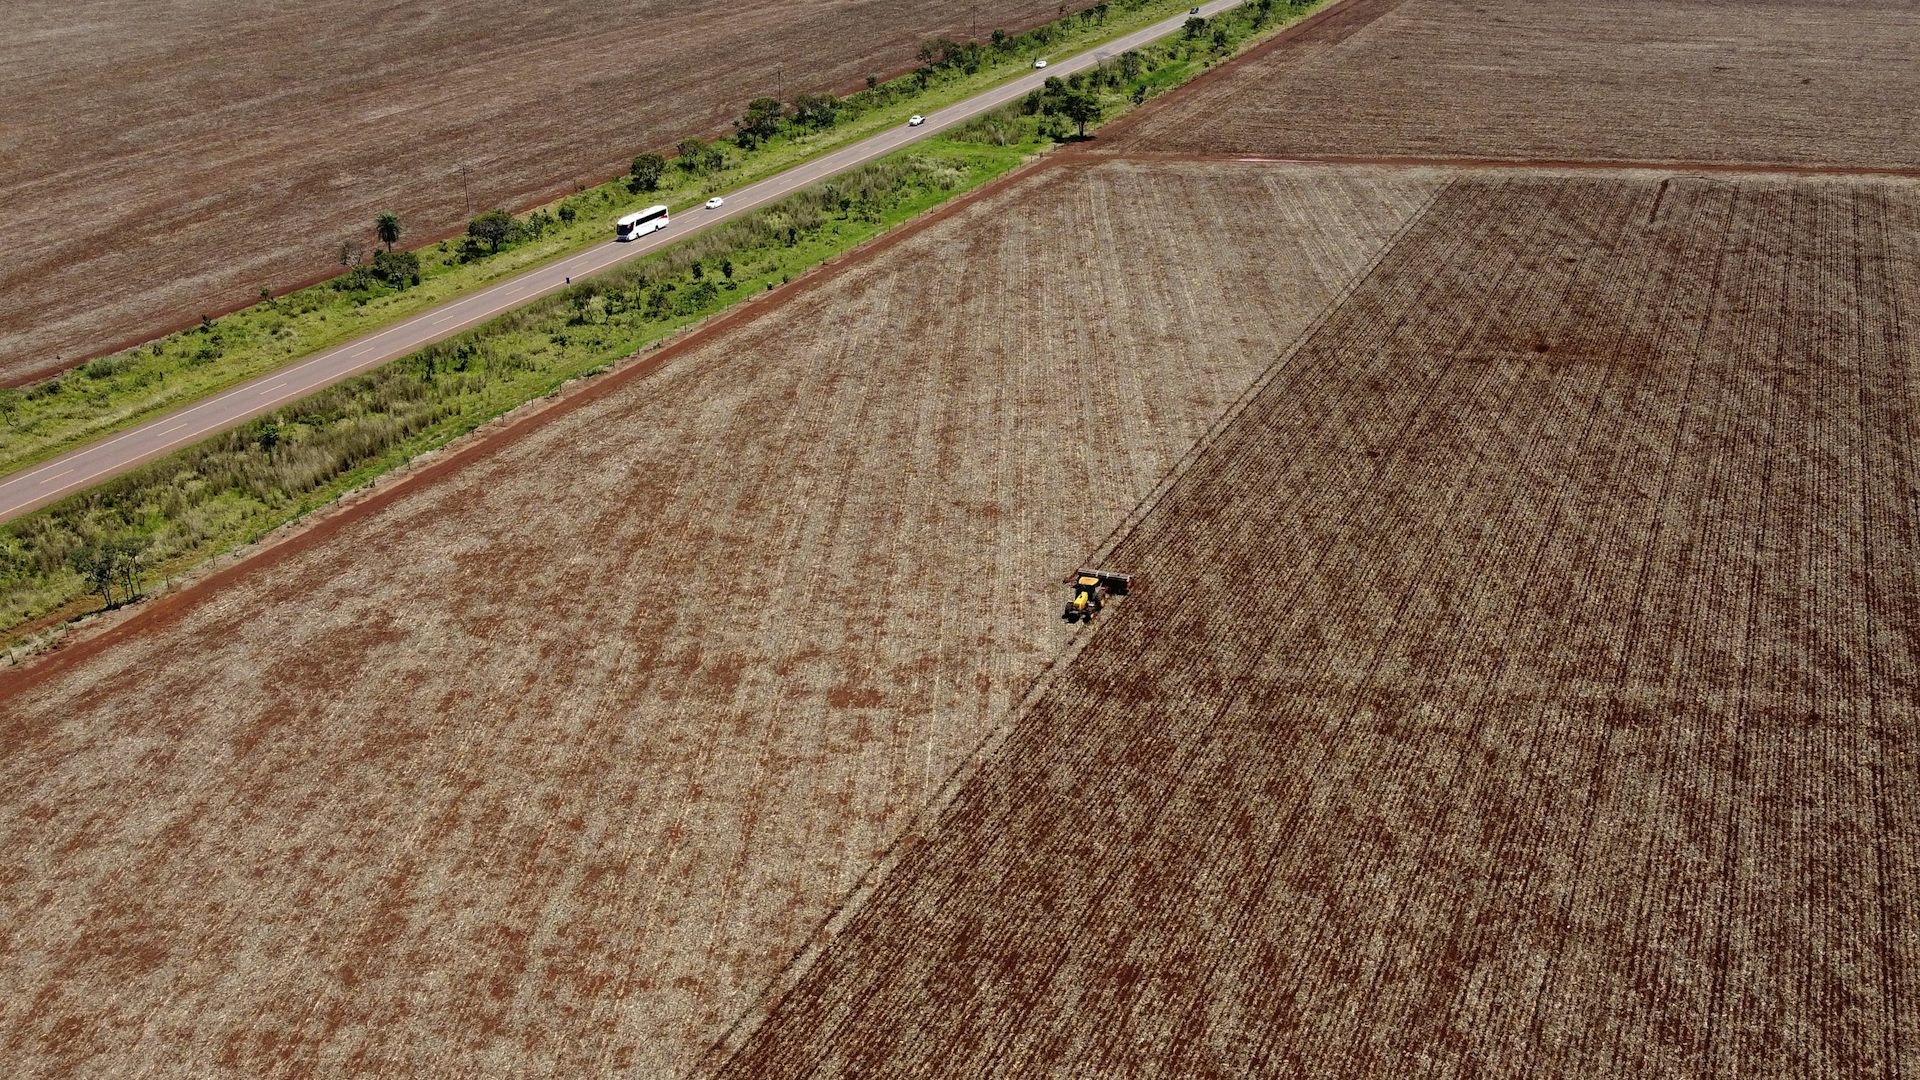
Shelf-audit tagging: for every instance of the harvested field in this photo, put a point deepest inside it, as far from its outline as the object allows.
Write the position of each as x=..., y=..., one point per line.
x=165, y=159
x=547, y=767
x=1771, y=81
x=1527, y=683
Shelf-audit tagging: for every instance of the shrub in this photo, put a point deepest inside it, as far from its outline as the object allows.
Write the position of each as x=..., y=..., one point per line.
x=644, y=174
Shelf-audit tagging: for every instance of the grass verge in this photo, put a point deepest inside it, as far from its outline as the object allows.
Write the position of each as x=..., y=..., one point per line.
x=100, y=547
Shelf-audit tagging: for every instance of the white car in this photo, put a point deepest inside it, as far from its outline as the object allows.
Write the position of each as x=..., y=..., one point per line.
x=1039, y=63
x=714, y=203
x=916, y=121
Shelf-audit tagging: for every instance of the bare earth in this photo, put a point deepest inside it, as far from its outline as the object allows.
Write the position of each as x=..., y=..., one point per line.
x=548, y=768
x=1765, y=81
x=163, y=159
x=1526, y=684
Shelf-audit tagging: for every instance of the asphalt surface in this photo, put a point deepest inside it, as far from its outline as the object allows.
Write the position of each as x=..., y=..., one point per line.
x=95, y=462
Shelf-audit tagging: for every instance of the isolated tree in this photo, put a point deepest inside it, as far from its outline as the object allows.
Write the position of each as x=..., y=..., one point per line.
x=387, y=228
x=1082, y=108
x=726, y=268
x=938, y=50
x=699, y=157
x=95, y=566
x=493, y=228
x=816, y=110
x=568, y=213
x=645, y=172
x=1131, y=64
x=999, y=38
x=1100, y=11
x=1139, y=93
x=125, y=554
x=397, y=268
x=759, y=123
x=1194, y=26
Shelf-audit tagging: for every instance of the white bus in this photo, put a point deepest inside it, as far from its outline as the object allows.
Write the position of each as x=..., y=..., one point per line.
x=641, y=223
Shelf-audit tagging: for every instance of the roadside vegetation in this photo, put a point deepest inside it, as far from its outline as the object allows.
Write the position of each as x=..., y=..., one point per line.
x=378, y=285
x=102, y=547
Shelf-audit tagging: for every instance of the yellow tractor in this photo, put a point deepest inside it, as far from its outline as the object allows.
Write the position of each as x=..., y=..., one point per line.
x=1091, y=588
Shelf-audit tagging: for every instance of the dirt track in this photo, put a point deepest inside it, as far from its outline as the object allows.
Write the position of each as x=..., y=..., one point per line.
x=547, y=767
x=1526, y=684
x=167, y=159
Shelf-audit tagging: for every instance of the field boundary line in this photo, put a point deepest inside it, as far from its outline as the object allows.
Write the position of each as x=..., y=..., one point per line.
x=927, y=820
x=917, y=832
x=1474, y=164
x=1272, y=371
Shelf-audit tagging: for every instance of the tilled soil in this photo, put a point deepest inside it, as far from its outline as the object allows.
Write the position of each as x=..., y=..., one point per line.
x=548, y=767
x=165, y=159
x=1764, y=82
x=1527, y=683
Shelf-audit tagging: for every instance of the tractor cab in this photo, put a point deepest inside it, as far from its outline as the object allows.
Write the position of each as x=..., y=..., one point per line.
x=1091, y=588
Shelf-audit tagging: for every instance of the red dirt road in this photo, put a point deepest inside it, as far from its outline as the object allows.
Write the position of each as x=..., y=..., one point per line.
x=166, y=159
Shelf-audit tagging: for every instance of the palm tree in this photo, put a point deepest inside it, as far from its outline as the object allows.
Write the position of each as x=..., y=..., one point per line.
x=387, y=227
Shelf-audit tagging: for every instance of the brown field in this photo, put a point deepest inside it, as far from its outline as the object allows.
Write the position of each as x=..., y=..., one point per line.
x=1527, y=683
x=164, y=159
x=548, y=767
x=1766, y=81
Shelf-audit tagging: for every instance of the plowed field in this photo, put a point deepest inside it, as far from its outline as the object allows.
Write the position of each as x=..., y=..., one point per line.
x=546, y=768
x=163, y=158
x=1768, y=81
x=1527, y=683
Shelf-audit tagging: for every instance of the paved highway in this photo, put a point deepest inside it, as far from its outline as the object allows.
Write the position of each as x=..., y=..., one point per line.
x=34, y=487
